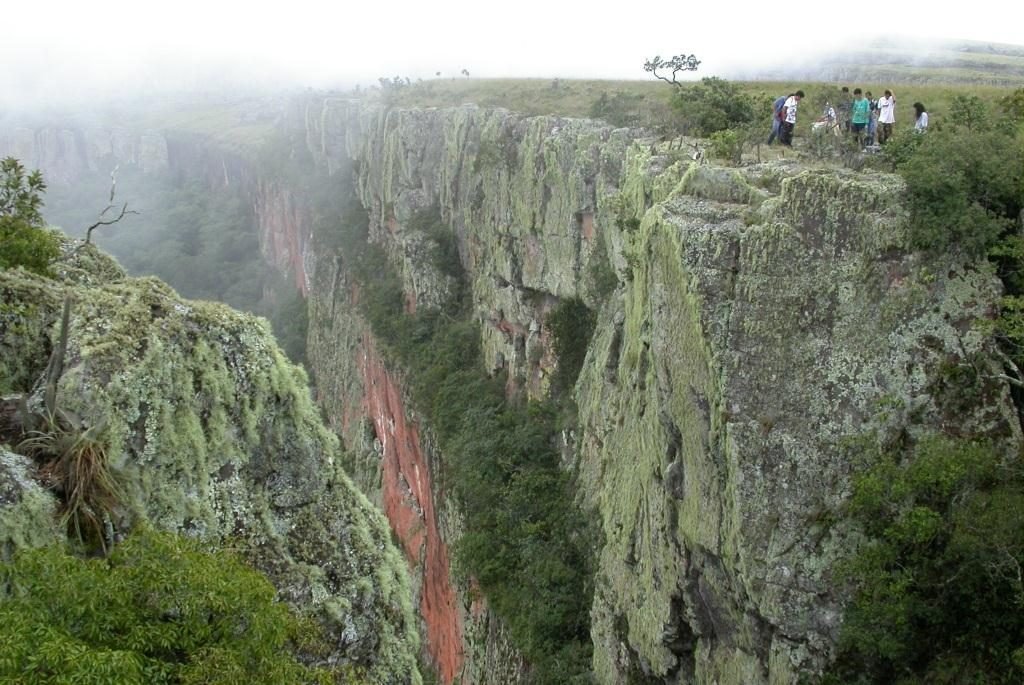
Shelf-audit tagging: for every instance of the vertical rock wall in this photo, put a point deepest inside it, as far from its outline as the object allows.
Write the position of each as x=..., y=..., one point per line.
x=763, y=321
x=760, y=322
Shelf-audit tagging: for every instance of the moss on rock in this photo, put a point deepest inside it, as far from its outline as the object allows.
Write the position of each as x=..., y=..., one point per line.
x=213, y=433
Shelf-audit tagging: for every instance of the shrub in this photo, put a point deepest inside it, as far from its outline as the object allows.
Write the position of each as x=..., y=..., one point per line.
x=937, y=585
x=601, y=277
x=964, y=189
x=621, y=109
x=158, y=610
x=727, y=145
x=713, y=105
x=23, y=239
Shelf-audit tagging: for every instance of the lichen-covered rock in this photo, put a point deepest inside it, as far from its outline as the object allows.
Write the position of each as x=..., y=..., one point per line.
x=763, y=320
x=719, y=403
x=212, y=433
x=28, y=513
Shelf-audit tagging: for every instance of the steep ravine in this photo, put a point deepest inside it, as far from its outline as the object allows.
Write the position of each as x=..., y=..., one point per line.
x=765, y=319
x=753, y=325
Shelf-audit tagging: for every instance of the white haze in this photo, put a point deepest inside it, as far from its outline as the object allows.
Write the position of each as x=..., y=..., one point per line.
x=59, y=52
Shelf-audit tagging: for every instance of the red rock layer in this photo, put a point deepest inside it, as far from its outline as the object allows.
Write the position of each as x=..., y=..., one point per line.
x=283, y=223
x=408, y=502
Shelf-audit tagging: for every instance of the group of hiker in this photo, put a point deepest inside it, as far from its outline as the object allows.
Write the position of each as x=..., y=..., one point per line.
x=859, y=115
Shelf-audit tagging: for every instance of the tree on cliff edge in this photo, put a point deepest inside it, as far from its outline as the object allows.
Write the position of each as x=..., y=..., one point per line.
x=677, y=64
x=24, y=240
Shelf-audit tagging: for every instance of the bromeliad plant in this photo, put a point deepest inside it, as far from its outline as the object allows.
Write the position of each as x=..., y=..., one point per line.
x=73, y=463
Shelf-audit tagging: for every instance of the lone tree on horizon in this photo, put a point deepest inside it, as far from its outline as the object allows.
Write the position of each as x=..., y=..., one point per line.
x=677, y=64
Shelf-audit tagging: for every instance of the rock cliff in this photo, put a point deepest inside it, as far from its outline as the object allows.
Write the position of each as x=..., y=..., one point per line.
x=754, y=325
x=65, y=153
x=209, y=432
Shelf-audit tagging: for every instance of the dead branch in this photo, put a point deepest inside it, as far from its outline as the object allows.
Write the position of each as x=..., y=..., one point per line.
x=124, y=211
x=110, y=206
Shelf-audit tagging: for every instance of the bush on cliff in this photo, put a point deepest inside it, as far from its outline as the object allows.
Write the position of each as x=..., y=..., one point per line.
x=24, y=241
x=712, y=105
x=965, y=189
x=937, y=584
x=571, y=324
x=159, y=609
x=965, y=181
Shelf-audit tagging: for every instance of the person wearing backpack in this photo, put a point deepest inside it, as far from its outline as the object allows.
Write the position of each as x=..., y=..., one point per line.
x=778, y=115
x=792, y=102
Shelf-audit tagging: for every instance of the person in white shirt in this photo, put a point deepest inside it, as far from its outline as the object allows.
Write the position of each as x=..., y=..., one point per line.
x=886, y=116
x=789, y=123
x=921, y=120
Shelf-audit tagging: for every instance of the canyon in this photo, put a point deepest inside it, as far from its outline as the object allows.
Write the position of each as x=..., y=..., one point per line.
x=754, y=327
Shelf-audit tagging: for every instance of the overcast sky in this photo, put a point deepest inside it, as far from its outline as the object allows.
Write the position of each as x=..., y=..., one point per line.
x=57, y=49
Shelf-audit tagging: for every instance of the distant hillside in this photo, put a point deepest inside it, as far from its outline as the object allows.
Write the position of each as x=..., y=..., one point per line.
x=902, y=60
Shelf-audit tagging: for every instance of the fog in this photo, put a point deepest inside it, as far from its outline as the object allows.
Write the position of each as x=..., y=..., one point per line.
x=63, y=52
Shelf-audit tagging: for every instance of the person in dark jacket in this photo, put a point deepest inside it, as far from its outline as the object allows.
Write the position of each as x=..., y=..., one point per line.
x=776, y=119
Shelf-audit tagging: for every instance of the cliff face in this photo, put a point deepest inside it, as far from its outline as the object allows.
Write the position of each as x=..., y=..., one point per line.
x=755, y=327
x=66, y=153
x=762, y=322
x=212, y=433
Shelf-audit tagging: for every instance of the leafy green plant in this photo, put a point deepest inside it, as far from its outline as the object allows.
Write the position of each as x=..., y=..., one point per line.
x=727, y=144
x=964, y=189
x=1013, y=106
x=969, y=111
x=601, y=277
x=620, y=109
x=24, y=241
x=937, y=585
x=159, y=609
x=712, y=105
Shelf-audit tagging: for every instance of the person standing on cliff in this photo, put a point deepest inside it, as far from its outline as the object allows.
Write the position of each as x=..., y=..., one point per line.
x=921, y=120
x=869, y=138
x=860, y=115
x=843, y=105
x=777, y=117
x=792, y=102
x=886, y=116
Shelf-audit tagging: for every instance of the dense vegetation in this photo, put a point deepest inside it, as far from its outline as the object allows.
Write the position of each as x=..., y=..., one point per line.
x=159, y=609
x=965, y=193
x=526, y=543
x=571, y=324
x=965, y=178
x=938, y=581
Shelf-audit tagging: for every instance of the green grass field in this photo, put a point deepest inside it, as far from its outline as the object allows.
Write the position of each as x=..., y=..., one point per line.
x=575, y=98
